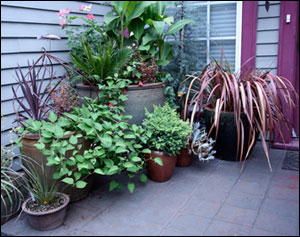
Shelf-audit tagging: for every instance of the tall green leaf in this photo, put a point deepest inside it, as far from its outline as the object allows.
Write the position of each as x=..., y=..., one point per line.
x=178, y=26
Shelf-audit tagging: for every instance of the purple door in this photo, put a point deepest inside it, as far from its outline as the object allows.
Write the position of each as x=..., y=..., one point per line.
x=288, y=65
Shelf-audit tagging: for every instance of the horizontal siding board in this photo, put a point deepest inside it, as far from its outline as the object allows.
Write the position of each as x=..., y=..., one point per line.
x=269, y=49
x=268, y=24
x=6, y=91
x=8, y=77
x=8, y=107
x=37, y=16
x=266, y=62
x=274, y=11
x=56, y=5
x=12, y=61
x=32, y=45
x=29, y=30
x=5, y=139
x=268, y=36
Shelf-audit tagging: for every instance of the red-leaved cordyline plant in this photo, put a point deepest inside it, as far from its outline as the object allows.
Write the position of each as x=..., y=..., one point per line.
x=258, y=95
x=34, y=86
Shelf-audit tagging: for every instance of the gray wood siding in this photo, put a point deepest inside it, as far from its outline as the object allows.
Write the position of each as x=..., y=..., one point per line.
x=267, y=36
x=21, y=23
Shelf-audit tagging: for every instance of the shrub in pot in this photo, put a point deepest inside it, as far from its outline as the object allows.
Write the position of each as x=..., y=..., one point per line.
x=239, y=107
x=166, y=134
x=46, y=207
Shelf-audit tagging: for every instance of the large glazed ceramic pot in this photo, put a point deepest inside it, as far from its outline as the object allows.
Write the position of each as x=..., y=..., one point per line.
x=29, y=150
x=47, y=220
x=87, y=91
x=141, y=97
x=226, y=143
x=160, y=173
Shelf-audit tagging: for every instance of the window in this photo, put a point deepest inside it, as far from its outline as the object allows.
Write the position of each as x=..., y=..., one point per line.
x=218, y=26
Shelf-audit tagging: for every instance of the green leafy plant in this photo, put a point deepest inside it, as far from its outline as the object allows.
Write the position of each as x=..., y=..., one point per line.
x=165, y=131
x=101, y=63
x=133, y=16
x=115, y=145
x=259, y=96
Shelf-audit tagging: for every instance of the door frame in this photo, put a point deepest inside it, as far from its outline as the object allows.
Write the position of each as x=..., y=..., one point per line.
x=288, y=67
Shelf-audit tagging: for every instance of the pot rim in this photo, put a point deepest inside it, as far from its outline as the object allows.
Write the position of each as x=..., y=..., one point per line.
x=27, y=211
x=86, y=87
x=145, y=86
x=222, y=112
x=36, y=136
x=162, y=153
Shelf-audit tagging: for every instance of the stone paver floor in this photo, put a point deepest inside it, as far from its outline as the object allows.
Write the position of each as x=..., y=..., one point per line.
x=212, y=198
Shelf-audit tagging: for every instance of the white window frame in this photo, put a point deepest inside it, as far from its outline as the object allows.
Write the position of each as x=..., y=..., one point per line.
x=238, y=32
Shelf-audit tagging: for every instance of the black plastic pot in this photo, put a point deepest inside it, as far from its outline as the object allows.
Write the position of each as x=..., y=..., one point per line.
x=226, y=143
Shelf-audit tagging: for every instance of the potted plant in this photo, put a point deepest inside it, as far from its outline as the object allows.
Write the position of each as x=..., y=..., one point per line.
x=46, y=207
x=198, y=144
x=38, y=100
x=166, y=134
x=238, y=107
x=125, y=25
x=12, y=182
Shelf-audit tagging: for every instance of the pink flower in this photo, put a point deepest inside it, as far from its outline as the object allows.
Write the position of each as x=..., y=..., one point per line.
x=90, y=16
x=63, y=22
x=124, y=92
x=125, y=33
x=81, y=8
x=140, y=83
x=110, y=105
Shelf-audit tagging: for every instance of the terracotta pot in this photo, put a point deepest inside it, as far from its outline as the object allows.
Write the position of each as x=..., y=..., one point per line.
x=184, y=158
x=28, y=149
x=160, y=173
x=47, y=220
x=141, y=97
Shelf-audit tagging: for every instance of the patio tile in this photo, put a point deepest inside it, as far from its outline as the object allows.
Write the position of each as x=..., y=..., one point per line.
x=190, y=224
x=205, y=192
x=283, y=192
x=260, y=232
x=251, y=187
x=244, y=200
x=236, y=215
x=199, y=207
x=277, y=224
x=173, y=232
x=222, y=182
x=279, y=207
x=221, y=228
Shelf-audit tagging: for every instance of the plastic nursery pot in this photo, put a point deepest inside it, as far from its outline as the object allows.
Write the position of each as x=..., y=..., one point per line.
x=47, y=220
x=184, y=158
x=160, y=173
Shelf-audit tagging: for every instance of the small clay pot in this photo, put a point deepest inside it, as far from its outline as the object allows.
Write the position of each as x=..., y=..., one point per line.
x=47, y=220
x=184, y=158
x=160, y=173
